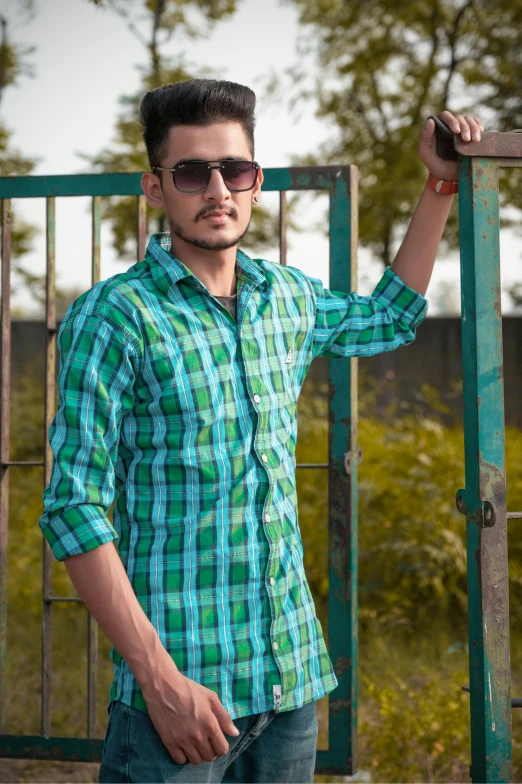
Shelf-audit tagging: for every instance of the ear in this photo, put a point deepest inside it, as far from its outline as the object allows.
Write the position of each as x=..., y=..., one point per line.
x=151, y=186
x=257, y=187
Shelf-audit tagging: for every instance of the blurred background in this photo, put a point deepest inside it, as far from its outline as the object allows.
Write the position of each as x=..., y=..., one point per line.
x=337, y=82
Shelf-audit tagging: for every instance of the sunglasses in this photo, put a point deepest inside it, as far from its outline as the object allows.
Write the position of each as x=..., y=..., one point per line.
x=194, y=176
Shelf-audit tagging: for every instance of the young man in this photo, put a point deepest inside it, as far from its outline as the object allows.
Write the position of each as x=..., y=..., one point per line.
x=178, y=390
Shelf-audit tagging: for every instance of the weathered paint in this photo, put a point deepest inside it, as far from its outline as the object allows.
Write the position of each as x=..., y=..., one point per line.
x=492, y=145
x=92, y=626
x=283, y=221
x=484, y=499
x=142, y=227
x=50, y=410
x=5, y=381
x=96, y=239
x=291, y=178
x=49, y=748
x=342, y=499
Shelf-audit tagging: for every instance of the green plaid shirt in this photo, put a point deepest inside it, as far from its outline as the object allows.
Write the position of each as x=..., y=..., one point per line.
x=187, y=419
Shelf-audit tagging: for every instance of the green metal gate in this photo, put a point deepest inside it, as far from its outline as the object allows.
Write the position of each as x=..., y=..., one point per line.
x=484, y=499
x=341, y=184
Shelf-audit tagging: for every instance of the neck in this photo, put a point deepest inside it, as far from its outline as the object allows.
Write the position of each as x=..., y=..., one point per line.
x=214, y=268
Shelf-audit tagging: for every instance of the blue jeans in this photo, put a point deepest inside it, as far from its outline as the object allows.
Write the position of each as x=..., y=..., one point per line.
x=271, y=747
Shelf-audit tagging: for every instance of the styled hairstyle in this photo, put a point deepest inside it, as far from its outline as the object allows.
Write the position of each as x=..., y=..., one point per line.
x=193, y=102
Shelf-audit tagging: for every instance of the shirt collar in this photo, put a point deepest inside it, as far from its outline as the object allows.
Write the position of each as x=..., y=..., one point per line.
x=167, y=270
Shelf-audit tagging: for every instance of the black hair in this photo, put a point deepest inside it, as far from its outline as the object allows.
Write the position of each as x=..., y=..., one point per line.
x=193, y=102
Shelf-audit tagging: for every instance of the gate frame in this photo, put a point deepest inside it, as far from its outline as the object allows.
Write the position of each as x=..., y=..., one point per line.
x=483, y=501
x=341, y=182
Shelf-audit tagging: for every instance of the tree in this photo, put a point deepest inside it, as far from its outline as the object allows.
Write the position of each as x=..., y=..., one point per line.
x=14, y=64
x=382, y=68
x=164, y=19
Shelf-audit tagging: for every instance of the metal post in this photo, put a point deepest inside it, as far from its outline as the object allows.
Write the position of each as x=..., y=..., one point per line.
x=342, y=490
x=5, y=361
x=282, y=227
x=50, y=410
x=484, y=499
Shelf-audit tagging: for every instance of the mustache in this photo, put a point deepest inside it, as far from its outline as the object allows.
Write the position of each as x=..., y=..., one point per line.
x=209, y=209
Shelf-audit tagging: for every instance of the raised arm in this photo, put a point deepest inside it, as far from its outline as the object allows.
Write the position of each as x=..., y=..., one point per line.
x=416, y=256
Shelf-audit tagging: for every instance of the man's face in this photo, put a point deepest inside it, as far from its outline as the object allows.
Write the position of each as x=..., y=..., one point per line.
x=216, y=218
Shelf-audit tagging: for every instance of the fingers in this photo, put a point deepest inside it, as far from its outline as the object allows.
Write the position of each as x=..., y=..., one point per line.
x=222, y=715
x=218, y=740
x=177, y=755
x=451, y=121
x=204, y=747
x=470, y=128
x=193, y=755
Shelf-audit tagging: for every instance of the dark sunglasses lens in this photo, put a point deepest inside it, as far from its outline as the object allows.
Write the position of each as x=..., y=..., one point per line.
x=192, y=178
x=239, y=175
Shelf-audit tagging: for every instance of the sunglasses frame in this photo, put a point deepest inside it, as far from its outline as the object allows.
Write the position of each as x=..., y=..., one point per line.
x=255, y=168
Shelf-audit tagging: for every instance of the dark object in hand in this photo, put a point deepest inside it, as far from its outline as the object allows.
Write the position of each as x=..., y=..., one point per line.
x=444, y=140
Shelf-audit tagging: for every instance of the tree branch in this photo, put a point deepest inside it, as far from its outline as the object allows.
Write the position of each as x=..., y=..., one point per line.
x=453, y=40
x=3, y=55
x=430, y=72
x=154, y=48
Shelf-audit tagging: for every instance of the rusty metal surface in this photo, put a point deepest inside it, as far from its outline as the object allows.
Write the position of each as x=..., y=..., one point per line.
x=142, y=227
x=92, y=674
x=96, y=238
x=50, y=410
x=5, y=367
x=282, y=227
x=49, y=748
x=343, y=496
x=491, y=145
x=484, y=498
x=92, y=626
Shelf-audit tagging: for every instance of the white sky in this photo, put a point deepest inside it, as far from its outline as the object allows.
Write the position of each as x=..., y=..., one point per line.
x=86, y=58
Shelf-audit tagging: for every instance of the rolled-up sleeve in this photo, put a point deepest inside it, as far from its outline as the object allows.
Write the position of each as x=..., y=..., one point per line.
x=95, y=390
x=350, y=325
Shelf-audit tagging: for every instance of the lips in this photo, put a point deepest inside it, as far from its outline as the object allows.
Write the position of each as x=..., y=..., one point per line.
x=217, y=218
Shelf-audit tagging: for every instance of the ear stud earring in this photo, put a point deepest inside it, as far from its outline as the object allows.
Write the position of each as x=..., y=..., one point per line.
x=256, y=199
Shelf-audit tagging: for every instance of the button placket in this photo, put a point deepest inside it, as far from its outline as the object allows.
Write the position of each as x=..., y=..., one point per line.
x=250, y=351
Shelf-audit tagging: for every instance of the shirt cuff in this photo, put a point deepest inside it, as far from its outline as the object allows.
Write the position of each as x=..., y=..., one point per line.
x=407, y=303
x=77, y=529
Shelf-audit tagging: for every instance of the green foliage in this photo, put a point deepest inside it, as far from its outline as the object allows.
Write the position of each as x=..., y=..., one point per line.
x=417, y=725
x=13, y=65
x=412, y=543
x=414, y=717
x=382, y=68
x=127, y=152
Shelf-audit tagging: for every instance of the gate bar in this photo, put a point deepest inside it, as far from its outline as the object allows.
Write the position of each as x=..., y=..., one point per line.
x=50, y=409
x=5, y=382
x=485, y=494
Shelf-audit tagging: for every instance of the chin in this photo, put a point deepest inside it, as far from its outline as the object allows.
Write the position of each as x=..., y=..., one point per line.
x=216, y=241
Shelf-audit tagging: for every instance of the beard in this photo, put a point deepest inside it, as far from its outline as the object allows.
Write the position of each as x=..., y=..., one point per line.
x=205, y=244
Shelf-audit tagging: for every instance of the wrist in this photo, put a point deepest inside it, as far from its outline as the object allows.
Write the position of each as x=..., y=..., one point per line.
x=150, y=666
x=442, y=187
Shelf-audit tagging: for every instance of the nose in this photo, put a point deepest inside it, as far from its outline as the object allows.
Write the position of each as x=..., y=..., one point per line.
x=216, y=189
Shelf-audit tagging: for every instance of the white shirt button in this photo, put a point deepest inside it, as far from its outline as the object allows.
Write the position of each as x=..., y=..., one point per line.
x=267, y=518
x=276, y=646
x=272, y=581
x=257, y=398
x=264, y=458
